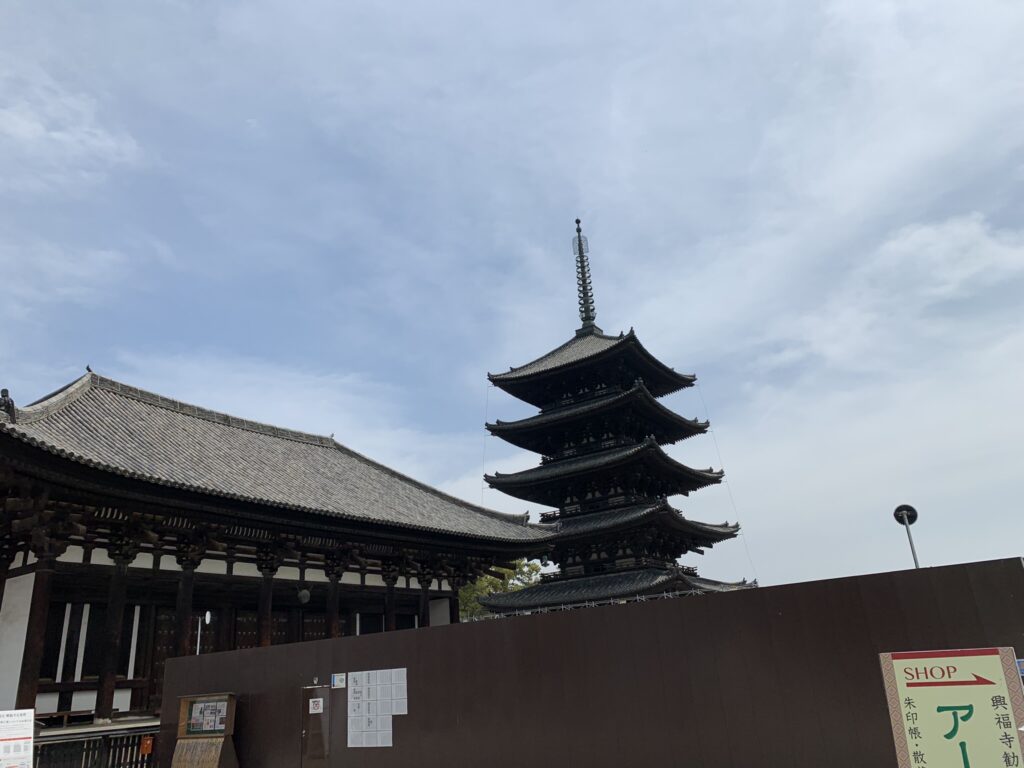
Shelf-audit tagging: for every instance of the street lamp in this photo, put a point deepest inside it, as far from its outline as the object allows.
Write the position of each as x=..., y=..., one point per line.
x=199, y=630
x=906, y=516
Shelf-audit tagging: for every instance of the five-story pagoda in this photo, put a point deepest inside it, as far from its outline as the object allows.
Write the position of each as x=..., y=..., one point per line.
x=599, y=431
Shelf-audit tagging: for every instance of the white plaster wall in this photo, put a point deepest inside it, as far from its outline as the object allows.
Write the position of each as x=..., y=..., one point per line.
x=100, y=557
x=374, y=580
x=349, y=577
x=439, y=612
x=315, y=574
x=74, y=554
x=123, y=700
x=13, y=625
x=143, y=560
x=46, y=703
x=168, y=563
x=213, y=566
x=246, y=569
x=287, y=573
x=84, y=700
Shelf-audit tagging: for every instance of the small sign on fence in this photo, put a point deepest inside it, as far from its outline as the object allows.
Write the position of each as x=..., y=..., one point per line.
x=16, y=732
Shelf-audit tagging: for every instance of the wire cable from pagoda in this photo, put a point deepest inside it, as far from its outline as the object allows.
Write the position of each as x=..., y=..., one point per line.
x=727, y=484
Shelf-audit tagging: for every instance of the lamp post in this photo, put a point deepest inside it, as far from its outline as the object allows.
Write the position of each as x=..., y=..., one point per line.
x=906, y=516
x=205, y=619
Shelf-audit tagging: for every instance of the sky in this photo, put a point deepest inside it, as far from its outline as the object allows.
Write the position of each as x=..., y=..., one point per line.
x=338, y=217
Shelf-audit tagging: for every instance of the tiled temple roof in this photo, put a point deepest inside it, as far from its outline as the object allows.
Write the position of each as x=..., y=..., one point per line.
x=127, y=431
x=591, y=347
x=604, y=586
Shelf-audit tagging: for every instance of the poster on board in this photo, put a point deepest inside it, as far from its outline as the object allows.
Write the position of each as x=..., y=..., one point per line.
x=17, y=728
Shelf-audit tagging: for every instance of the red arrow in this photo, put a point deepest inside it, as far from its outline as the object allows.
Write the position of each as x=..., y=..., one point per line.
x=978, y=680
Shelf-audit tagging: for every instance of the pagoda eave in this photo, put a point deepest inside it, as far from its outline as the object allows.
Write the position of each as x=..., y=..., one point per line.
x=534, y=381
x=606, y=587
x=660, y=514
x=649, y=416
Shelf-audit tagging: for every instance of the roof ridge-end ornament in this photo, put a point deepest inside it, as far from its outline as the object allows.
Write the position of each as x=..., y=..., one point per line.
x=7, y=406
x=588, y=314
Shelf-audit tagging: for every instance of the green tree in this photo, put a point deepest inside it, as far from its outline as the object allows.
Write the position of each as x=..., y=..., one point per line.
x=525, y=573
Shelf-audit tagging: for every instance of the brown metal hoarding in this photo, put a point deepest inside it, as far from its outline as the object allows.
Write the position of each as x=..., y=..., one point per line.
x=776, y=676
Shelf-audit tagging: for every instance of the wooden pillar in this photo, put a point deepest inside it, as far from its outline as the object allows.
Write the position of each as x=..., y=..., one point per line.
x=47, y=549
x=267, y=561
x=67, y=672
x=454, y=616
x=122, y=552
x=183, y=605
x=332, y=607
x=390, y=576
x=226, y=621
x=425, y=579
x=348, y=624
x=7, y=553
x=335, y=565
x=145, y=658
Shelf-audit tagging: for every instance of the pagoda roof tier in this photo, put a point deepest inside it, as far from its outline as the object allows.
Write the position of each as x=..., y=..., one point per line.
x=120, y=430
x=546, y=484
x=666, y=425
x=600, y=587
x=660, y=512
x=589, y=347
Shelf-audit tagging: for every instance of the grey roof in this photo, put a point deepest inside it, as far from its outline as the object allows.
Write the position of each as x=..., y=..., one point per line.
x=604, y=586
x=576, y=349
x=104, y=424
x=577, y=525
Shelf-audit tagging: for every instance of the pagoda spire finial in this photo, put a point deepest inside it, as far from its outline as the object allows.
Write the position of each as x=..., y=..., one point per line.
x=586, y=292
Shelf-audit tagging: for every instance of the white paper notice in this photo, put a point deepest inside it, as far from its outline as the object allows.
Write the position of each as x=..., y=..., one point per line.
x=374, y=697
x=16, y=732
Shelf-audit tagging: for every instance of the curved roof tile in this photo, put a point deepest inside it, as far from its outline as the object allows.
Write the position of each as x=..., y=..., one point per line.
x=111, y=426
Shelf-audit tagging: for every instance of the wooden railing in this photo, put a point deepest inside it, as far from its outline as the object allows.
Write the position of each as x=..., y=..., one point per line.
x=134, y=749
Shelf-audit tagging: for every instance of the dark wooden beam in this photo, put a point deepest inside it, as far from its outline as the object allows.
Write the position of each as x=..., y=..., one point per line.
x=71, y=643
x=122, y=552
x=268, y=560
x=47, y=548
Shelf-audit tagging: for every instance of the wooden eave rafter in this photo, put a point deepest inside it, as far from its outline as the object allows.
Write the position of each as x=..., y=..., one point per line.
x=89, y=486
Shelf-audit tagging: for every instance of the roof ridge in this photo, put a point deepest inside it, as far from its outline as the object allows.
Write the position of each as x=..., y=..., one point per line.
x=56, y=400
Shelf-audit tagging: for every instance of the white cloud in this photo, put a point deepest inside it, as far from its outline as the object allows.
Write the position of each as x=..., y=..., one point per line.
x=52, y=139
x=39, y=273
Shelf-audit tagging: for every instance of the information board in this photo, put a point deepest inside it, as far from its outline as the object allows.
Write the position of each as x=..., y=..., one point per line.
x=955, y=708
x=17, y=728
x=375, y=698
